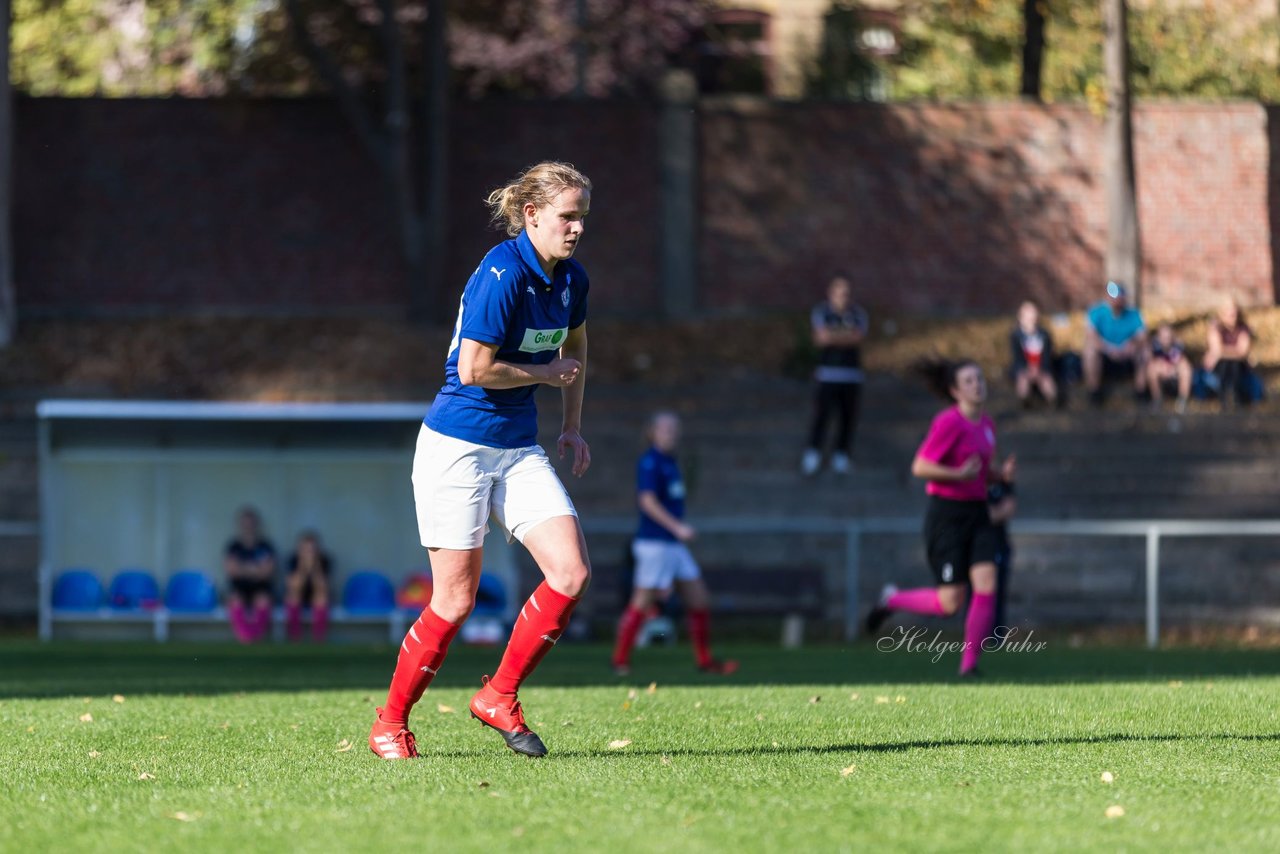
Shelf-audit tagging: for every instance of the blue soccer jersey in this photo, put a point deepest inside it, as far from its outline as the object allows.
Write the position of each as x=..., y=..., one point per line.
x=508, y=302
x=660, y=474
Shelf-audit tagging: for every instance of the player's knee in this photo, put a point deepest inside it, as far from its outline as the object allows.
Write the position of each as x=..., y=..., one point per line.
x=452, y=608
x=571, y=580
x=949, y=599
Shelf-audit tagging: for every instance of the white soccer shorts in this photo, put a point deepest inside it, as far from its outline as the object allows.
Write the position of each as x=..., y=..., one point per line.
x=459, y=486
x=660, y=563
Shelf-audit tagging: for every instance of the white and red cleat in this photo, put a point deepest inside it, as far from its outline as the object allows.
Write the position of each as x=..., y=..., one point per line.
x=391, y=741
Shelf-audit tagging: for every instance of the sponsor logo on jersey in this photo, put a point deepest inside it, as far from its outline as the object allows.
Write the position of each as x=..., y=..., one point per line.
x=537, y=340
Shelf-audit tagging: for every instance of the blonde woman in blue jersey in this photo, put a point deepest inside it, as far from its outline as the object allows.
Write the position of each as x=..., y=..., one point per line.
x=521, y=323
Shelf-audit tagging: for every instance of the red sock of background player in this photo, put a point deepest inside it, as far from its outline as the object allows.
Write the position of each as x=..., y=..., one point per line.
x=421, y=653
x=700, y=635
x=261, y=621
x=977, y=626
x=628, y=628
x=319, y=622
x=542, y=619
x=922, y=600
x=293, y=620
x=239, y=624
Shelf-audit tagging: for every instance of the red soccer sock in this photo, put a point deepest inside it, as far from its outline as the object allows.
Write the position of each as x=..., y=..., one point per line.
x=628, y=627
x=922, y=600
x=541, y=621
x=240, y=623
x=977, y=626
x=421, y=653
x=261, y=621
x=293, y=621
x=319, y=622
x=700, y=635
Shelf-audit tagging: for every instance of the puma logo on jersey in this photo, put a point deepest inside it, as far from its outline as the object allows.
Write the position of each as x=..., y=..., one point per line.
x=530, y=289
x=498, y=273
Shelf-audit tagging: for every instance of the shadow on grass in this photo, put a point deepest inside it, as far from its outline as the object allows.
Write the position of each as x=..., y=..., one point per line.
x=31, y=669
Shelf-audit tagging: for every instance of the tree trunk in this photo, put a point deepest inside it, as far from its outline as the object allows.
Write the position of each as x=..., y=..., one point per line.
x=8, y=307
x=1032, y=48
x=1124, y=248
x=431, y=288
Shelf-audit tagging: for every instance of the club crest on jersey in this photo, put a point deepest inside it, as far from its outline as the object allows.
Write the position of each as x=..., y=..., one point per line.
x=564, y=297
x=537, y=340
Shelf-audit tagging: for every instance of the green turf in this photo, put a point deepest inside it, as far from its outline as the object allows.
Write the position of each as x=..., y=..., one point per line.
x=812, y=750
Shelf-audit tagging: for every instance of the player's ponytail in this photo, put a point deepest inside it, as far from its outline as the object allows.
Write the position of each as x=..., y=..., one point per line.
x=538, y=184
x=939, y=374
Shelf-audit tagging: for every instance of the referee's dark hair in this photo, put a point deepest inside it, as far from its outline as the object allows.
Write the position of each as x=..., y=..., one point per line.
x=939, y=374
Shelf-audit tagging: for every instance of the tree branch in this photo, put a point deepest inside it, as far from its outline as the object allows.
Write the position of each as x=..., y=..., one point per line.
x=329, y=71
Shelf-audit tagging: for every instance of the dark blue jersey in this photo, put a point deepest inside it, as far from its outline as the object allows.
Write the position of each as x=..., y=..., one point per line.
x=660, y=474
x=509, y=302
x=250, y=554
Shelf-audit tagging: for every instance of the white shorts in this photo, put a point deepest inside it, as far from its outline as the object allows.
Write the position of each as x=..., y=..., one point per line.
x=659, y=563
x=458, y=486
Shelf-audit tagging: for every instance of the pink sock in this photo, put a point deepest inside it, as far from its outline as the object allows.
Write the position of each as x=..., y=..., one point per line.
x=319, y=622
x=240, y=625
x=293, y=621
x=977, y=626
x=922, y=600
x=262, y=621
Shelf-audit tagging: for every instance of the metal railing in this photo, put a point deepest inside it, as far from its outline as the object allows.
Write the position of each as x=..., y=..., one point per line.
x=1151, y=530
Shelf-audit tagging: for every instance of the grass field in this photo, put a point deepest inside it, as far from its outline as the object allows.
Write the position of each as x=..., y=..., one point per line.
x=223, y=748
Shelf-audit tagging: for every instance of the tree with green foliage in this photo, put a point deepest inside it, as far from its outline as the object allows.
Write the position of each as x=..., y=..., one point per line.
x=958, y=49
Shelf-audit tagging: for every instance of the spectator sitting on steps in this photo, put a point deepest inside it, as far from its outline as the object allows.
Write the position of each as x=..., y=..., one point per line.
x=1032, y=350
x=1169, y=368
x=1115, y=344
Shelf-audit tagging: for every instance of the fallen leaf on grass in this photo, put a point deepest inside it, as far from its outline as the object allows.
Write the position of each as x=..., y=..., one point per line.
x=517, y=832
x=855, y=696
x=698, y=705
x=845, y=772
x=183, y=816
x=344, y=746
x=619, y=743
x=225, y=725
x=117, y=698
x=626, y=704
x=776, y=744
x=1175, y=683
x=815, y=699
x=899, y=699
x=666, y=760
x=632, y=694
x=145, y=776
x=484, y=784
x=1115, y=811
x=882, y=699
x=652, y=689
x=162, y=738
x=93, y=754
x=444, y=710
x=759, y=717
x=294, y=726
x=86, y=718
x=1108, y=777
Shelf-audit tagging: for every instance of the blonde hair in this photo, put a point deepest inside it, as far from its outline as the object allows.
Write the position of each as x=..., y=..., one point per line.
x=539, y=185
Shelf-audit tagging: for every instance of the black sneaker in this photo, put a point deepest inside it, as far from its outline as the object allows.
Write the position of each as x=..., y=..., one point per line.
x=502, y=712
x=972, y=673
x=877, y=615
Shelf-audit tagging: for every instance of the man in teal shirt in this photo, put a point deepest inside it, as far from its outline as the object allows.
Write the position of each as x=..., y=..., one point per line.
x=1115, y=344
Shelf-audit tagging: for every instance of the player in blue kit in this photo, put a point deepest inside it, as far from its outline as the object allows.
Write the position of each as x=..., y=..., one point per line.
x=521, y=323
x=662, y=559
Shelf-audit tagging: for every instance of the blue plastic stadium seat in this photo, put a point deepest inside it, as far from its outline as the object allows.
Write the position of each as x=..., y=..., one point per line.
x=77, y=590
x=368, y=592
x=132, y=590
x=190, y=592
x=491, y=596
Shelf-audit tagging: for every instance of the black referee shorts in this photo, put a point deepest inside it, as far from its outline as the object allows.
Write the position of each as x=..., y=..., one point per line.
x=957, y=535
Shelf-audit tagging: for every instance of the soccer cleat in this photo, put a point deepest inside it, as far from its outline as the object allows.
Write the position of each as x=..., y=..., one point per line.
x=503, y=713
x=391, y=741
x=621, y=669
x=877, y=615
x=723, y=668
x=972, y=673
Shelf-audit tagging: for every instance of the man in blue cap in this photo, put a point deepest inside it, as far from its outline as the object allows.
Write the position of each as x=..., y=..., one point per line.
x=1115, y=344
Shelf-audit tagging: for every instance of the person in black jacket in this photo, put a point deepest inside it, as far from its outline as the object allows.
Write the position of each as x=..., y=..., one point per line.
x=1032, y=351
x=838, y=326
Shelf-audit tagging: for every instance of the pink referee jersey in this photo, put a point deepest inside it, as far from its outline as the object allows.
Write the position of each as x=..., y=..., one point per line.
x=952, y=439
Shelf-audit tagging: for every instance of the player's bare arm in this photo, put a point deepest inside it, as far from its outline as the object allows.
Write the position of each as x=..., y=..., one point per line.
x=574, y=351
x=479, y=365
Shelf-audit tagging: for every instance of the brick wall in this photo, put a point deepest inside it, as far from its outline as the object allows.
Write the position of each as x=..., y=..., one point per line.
x=170, y=204
x=962, y=208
